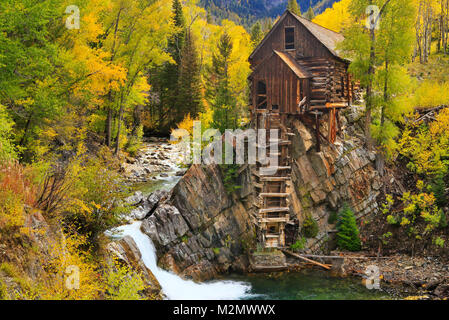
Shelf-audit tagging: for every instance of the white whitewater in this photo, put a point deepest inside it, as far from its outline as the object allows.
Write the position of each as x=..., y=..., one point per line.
x=176, y=288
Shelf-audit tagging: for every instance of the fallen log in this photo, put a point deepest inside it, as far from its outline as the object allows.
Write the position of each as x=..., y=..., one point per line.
x=306, y=259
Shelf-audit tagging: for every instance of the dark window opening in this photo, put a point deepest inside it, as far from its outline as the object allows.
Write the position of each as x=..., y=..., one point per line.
x=261, y=95
x=275, y=107
x=272, y=229
x=289, y=38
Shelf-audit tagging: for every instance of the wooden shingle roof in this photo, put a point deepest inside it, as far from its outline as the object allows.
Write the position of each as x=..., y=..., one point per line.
x=289, y=61
x=293, y=65
x=326, y=36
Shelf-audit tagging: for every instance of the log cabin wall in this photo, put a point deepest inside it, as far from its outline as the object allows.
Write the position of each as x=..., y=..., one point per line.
x=330, y=81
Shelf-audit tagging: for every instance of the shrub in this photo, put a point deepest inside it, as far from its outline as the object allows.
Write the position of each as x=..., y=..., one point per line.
x=443, y=220
x=439, y=242
x=64, y=254
x=347, y=231
x=94, y=204
x=333, y=217
x=439, y=190
x=16, y=190
x=124, y=284
x=3, y=291
x=230, y=175
x=135, y=142
x=299, y=244
x=310, y=227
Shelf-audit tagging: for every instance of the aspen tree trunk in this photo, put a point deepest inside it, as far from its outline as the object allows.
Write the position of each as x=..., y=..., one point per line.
x=445, y=27
x=120, y=117
x=108, y=127
x=110, y=115
x=369, y=90
x=380, y=157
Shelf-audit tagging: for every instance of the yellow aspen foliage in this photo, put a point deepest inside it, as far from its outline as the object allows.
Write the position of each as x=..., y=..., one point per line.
x=431, y=94
x=427, y=146
x=335, y=18
x=72, y=273
x=123, y=283
x=187, y=124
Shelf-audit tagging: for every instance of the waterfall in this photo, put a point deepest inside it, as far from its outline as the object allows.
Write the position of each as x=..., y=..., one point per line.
x=176, y=288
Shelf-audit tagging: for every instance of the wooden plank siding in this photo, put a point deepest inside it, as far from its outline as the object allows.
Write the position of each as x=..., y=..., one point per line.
x=282, y=85
x=306, y=45
x=313, y=69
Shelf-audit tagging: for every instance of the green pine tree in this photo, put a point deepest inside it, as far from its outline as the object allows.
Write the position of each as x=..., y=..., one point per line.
x=219, y=93
x=439, y=190
x=294, y=7
x=347, y=231
x=256, y=34
x=165, y=80
x=190, y=98
x=310, y=14
x=176, y=43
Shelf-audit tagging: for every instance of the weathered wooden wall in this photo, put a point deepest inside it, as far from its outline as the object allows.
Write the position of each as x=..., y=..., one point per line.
x=306, y=45
x=284, y=88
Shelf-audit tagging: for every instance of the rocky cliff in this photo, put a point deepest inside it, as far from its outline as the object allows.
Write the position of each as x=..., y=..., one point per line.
x=200, y=230
x=323, y=181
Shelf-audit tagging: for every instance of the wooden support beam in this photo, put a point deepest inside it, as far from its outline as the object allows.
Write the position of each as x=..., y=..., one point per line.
x=274, y=195
x=274, y=179
x=307, y=259
x=274, y=220
x=274, y=210
x=317, y=130
x=332, y=126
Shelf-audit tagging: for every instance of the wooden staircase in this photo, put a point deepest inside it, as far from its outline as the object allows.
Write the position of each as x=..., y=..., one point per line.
x=273, y=207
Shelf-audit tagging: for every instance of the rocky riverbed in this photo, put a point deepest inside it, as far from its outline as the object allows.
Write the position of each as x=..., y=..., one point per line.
x=418, y=277
x=156, y=160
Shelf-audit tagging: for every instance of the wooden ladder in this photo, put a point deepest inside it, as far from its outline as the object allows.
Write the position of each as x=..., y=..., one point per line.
x=273, y=207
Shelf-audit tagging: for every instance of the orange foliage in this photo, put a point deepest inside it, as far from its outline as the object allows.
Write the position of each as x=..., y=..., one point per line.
x=18, y=180
x=16, y=190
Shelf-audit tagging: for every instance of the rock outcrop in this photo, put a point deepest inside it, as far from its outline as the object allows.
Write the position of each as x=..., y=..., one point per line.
x=201, y=230
x=126, y=251
x=144, y=205
x=323, y=181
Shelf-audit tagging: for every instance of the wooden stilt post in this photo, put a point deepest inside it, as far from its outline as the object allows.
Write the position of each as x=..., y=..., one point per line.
x=337, y=116
x=317, y=131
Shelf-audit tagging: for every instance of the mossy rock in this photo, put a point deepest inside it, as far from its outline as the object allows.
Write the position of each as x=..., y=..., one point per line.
x=310, y=227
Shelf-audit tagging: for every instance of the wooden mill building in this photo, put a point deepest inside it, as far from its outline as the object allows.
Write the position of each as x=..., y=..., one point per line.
x=297, y=73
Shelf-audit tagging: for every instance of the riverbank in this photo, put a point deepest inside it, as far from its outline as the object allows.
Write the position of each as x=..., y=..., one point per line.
x=401, y=275
x=423, y=277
